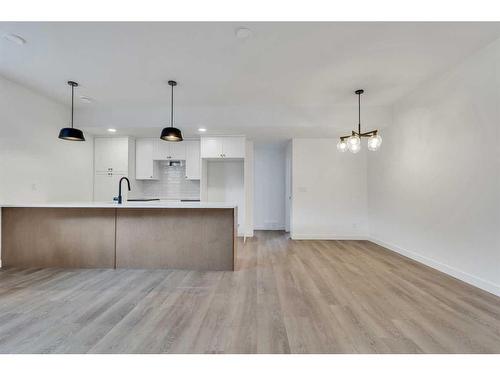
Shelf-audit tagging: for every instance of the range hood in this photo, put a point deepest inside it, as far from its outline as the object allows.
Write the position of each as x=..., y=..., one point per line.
x=174, y=163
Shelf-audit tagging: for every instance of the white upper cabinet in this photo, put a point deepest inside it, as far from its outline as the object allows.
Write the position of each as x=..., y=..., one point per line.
x=111, y=155
x=177, y=150
x=233, y=147
x=145, y=167
x=211, y=147
x=193, y=161
x=164, y=150
x=222, y=147
x=160, y=149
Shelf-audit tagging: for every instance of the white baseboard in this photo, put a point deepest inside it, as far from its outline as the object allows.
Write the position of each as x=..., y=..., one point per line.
x=352, y=237
x=452, y=271
x=263, y=227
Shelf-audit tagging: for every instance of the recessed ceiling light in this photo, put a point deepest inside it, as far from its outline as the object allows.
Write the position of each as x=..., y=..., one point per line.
x=14, y=38
x=86, y=99
x=202, y=129
x=111, y=130
x=243, y=33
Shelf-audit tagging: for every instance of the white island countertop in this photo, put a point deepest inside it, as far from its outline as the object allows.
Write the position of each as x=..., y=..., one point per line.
x=150, y=204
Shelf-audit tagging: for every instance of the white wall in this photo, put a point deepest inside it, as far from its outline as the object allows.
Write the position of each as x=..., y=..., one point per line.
x=269, y=186
x=329, y=191
x=35, y=166
x=434, y=186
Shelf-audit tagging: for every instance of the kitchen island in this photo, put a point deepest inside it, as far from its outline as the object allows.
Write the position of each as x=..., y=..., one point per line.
x=177, y=235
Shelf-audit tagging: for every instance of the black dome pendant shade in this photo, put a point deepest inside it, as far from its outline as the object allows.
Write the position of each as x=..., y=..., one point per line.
x=71, y=134
x=170, y=133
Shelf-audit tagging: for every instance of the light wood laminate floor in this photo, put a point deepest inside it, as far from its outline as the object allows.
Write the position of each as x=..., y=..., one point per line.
x=285, y=297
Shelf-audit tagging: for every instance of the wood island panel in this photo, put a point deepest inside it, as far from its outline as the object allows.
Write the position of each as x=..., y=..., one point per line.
x=58, y=237
x=194, y=239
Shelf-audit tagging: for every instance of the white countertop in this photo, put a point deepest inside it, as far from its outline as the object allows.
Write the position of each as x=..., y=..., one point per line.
x=151, y=204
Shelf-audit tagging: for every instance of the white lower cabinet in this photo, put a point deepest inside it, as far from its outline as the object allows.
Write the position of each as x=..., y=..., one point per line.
x=106, y=187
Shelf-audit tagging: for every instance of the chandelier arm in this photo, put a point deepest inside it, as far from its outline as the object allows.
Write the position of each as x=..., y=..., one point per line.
x=369, y=134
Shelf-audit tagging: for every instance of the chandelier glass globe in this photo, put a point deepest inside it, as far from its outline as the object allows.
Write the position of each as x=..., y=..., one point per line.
x=374, y=142
x=353, y=141
x=355, y=148
x=342, y=146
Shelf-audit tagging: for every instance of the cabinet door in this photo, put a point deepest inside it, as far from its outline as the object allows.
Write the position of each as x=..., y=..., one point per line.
x=233, y=147
x=211, y=147
x=193, y=160
x=145, y=166
x=161, y=149
x=120, y=155
x=103, y=159
x=177, y=150
x=111, y=155
x=106, y=187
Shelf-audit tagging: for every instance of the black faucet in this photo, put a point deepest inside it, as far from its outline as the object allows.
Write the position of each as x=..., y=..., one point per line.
x=120, y=188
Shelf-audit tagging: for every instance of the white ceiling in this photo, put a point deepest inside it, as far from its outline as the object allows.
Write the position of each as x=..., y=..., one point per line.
x=287, y=79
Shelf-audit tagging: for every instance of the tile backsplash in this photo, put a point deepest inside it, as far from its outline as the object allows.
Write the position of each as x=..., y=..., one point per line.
x=172, y=184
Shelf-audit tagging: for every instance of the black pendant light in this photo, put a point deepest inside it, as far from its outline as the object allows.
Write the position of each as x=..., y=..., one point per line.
x=170, y=133
x=71, y=134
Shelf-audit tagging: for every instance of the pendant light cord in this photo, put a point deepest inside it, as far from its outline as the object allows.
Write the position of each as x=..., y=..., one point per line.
x=172, y=108
x=72, y=100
